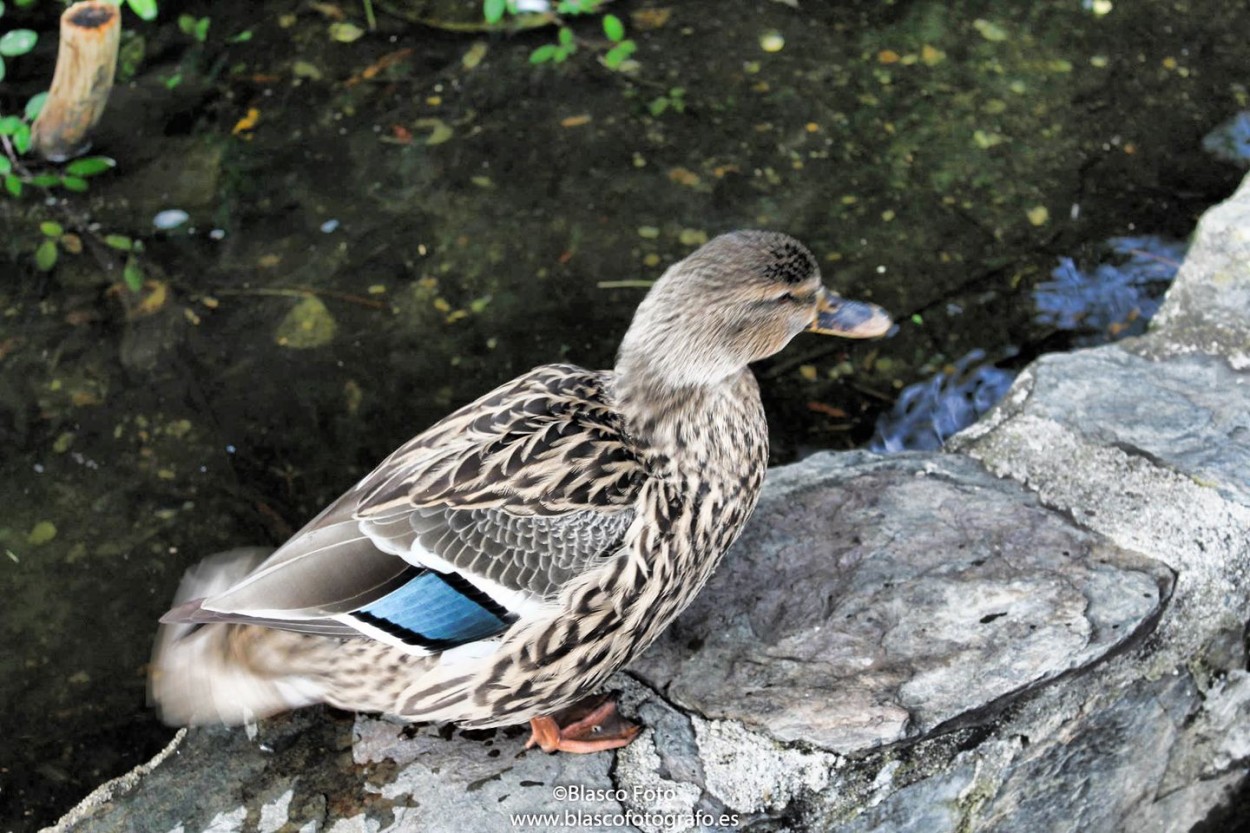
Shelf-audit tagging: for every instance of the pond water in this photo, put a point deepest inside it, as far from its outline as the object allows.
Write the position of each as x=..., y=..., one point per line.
x=379, y=230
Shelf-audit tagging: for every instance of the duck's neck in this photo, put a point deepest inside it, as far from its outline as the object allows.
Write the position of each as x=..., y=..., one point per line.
x=704, y=425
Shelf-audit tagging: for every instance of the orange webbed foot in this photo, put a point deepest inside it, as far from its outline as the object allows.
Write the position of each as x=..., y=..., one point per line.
x=590, y=725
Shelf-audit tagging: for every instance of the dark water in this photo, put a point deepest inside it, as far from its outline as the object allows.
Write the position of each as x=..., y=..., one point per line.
x=454, y=219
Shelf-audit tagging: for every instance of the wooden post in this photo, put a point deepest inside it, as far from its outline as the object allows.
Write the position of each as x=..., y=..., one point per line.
x=85, y=62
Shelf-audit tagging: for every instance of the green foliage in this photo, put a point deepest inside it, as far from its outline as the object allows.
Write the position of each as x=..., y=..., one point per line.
x=614, y=57
x=45, y=255
x=90, y=166
x=493, y=10
x=35, y=106
x=132, y=275
x=46, y=252
x=17, y=131
x=618, y=54
x=557, y=52
x=145, y=9
x=15, y=42
x=675, y=100
x=613, y=28
x=196, y=27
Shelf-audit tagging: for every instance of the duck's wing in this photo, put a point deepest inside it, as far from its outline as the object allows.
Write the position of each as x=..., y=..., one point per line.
x=476, y=522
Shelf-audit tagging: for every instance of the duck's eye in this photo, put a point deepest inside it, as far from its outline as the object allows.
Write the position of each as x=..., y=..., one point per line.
x=790, y=298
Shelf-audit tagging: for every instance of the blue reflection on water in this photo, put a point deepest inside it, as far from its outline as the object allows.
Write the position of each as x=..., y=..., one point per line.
x=1231, y=140
x=1114, y=300
x=928, y=412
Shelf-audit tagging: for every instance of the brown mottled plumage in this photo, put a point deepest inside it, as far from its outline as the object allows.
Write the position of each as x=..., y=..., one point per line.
x=502, y=564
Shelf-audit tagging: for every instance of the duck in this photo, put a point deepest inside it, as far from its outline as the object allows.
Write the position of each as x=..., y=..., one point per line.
x=500, y=566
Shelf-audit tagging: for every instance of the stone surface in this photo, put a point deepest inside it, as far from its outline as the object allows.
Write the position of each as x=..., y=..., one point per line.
x=884, y=597
x=1206, y=306
x=1044, y=630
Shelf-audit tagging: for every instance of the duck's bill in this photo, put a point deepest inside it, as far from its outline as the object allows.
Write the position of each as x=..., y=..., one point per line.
x=836, y=316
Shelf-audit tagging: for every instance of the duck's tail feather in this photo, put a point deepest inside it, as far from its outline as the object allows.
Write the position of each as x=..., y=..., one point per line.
x=225, y=673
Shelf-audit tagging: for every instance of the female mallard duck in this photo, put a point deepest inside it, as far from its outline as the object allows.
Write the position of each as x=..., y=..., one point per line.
x=502, y=564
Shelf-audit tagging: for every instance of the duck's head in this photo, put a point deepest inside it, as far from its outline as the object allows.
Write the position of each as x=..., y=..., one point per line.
x=739, y=298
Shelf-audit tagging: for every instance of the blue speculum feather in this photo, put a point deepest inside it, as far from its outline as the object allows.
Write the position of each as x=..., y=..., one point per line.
x=436, y=611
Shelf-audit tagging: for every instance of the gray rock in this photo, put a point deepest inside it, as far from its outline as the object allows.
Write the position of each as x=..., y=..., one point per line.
x=1044, y=630
x=886, y=597
x=1206, y=306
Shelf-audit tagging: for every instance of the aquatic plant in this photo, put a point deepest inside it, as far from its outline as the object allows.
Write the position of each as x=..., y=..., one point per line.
x=929, y=412
x=1117, y=298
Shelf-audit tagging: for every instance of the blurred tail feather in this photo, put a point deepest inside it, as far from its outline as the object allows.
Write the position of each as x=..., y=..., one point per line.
x=211, y=673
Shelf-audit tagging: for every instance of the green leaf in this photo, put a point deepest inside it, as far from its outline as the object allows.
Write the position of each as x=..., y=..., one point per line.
x=657, y=105
x=45, y=255
x=6, y=167
x=51, y=229
x=562, y=54
x=617, y=54
x=73, y=183
x=1, y=69
x=565, y=36
x=13, y=185
x=201, y=29
x=118, y=241
x=35, y=106
x=45, y=180
x=186, y=23
x=21, y=138
x=132, y=275
x=1, y=8
x=493, y=10
x=17, y=42
x=242, y=37
x=9, y=125
x=613, y=27
x=146, y=9
x=173, y=80
x=543, y=54
x=90, y=166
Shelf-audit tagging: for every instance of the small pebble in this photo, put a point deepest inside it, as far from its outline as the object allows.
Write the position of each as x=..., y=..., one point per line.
x=170, y=218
